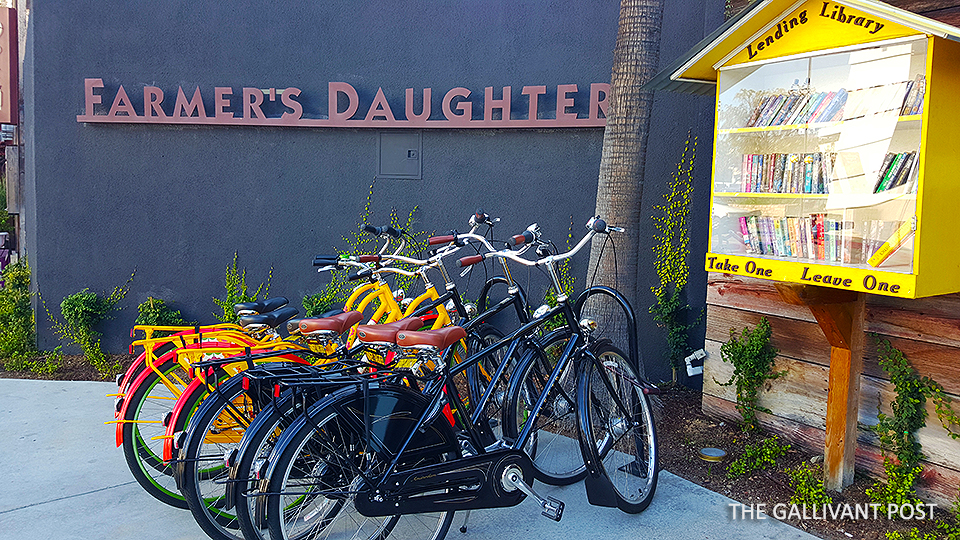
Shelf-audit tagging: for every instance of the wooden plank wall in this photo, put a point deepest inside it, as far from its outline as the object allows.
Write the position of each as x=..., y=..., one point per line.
x=926, y=330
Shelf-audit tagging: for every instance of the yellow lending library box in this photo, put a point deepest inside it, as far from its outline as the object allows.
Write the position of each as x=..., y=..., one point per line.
x=835, y=161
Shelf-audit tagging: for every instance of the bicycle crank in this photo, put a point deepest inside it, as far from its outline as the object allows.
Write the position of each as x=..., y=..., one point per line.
x=512, y=480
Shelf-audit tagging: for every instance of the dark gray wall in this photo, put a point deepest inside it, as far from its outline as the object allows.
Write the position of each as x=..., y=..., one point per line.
x=175, y=202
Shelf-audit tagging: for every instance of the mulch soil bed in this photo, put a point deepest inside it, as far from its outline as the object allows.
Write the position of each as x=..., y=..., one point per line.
x=683, y=430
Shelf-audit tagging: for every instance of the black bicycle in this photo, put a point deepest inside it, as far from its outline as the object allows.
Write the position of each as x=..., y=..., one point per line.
x=373, y=459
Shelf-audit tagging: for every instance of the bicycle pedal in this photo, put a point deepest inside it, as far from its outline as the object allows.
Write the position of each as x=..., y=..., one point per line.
x=553, y=508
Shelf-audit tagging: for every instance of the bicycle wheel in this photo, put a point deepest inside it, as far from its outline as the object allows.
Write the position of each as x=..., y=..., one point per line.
x=617, y=420
x=314, y=469
x=552, y=444
x=150, y=401
x=215, y=428
x=258, y=441
x=480, y=376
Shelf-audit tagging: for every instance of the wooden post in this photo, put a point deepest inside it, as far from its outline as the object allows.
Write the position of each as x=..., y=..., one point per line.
x=840, y=315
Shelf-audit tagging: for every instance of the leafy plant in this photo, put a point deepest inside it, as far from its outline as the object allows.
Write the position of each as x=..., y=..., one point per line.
x=49, y=363
x=566, y=283
x=331, y=297
x=155, y=312
x=82, y=312
x=897, y=432
x=672, y=249
x=236, y=284
x=17, y=325
x=338, y=290
x=807, y=484
x=898, y=488
x=752, y=357
x=755, y=457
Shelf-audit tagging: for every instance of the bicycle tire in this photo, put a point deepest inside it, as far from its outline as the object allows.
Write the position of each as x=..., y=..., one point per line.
x=323, y=449
x=624, y=451
x=215, y=428
x=258, y=441
x=143, y=454
x=552, y=445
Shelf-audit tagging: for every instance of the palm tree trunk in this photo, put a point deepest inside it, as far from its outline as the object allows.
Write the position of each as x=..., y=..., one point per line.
x=620, y=188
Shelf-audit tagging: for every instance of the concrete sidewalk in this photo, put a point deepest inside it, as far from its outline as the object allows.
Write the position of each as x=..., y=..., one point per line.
x=63, y=478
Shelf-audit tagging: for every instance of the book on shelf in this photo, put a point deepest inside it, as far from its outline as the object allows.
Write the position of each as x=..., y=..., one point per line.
x=754, y=233
x=797, y=109
x=818, y=227
x=915, y=104
x=823, y=102
x=892, y=244
x=895, y=170
x=756, y=112
x=784, y=173
x=812, y=105
x=890, y=172
x=745, y=231
x=907, y=172
x=781, y=115
x=770, y=110
x=834, y=108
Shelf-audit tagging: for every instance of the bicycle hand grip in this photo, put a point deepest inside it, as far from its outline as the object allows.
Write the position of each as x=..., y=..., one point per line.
x=359, y=275
x=470, y=260
x=325, y=260
x=369, y=258
x=523, y=238
x=445, y=239
x=370, y=229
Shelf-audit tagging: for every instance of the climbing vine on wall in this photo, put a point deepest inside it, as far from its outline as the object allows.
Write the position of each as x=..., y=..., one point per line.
x=671, y=246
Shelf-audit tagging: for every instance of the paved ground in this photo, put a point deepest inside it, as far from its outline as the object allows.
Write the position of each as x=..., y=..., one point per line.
x=63, y=478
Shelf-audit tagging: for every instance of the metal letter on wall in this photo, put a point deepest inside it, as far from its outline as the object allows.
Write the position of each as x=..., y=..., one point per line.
x=9, y=72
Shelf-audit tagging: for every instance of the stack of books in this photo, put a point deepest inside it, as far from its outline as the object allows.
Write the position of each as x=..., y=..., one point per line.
x=895, y=171
x=913, y=100
x=821, y=238
x=795, y=108
x=811, y=237
x=786, y=173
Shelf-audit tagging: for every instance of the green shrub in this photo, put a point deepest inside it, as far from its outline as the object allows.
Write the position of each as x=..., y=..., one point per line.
x=236, y=285
x=155, y=312
x=762, y=455
x=333, y=296
x=82, y=312
x=49, y=363
x=752, y=357
x=807, y=484
x=898, y=489
x=17, y=326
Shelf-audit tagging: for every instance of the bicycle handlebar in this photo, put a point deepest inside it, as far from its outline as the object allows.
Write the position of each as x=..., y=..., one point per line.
x=380, y=231
x=596, y=225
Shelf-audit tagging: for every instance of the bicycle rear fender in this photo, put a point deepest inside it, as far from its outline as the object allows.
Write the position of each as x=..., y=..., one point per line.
x=196, y=385
x=122, y=415
x=170, y=356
